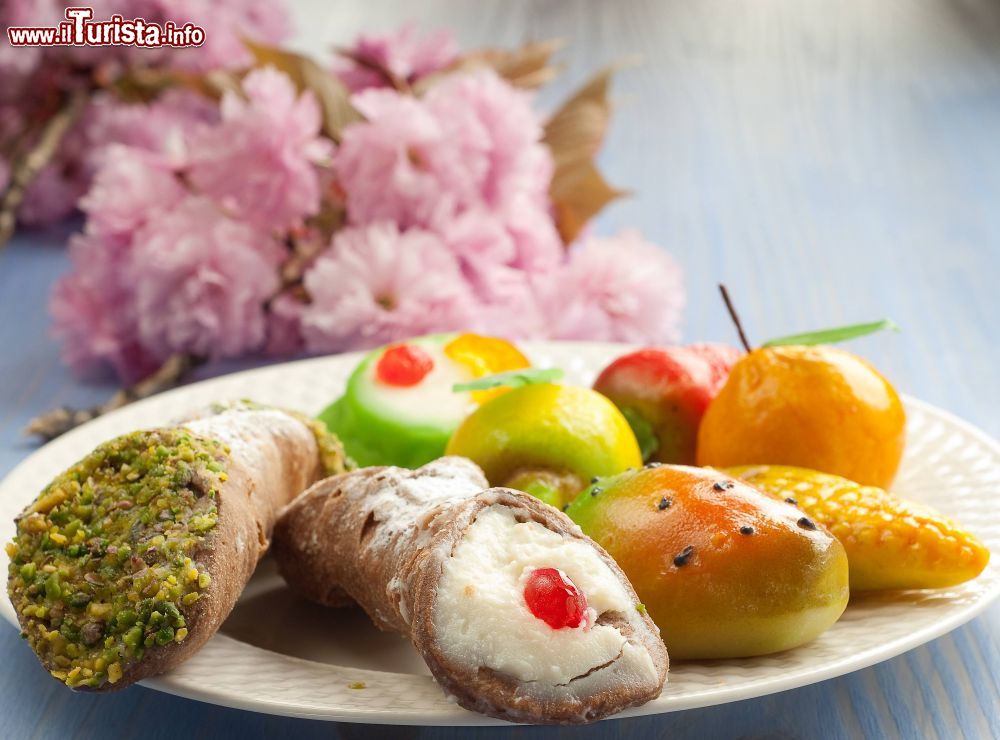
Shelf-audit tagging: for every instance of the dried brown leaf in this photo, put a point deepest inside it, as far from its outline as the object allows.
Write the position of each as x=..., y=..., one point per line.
x=218, y=82
x=528, y=67
x=374, y=65
x=577, y=129
x=574, y=135
x=579, y=194
x=145, y=84
x=334, y=98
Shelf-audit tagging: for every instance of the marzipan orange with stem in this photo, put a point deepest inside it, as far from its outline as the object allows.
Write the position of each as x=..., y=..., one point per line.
x=816, y=407
x=891, y=543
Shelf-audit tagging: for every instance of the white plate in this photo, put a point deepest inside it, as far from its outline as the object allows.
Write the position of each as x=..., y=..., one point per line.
x=279, y=655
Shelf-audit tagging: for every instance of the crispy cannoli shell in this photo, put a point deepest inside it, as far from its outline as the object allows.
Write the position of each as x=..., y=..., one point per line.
x=274, y=457
x=383, y=535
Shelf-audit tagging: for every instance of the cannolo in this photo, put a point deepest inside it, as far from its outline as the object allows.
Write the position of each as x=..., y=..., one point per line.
x=517, y=613
x=129, y=561
x=399, y=407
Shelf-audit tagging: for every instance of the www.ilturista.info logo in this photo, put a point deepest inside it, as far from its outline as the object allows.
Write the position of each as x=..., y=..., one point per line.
x=80, y=29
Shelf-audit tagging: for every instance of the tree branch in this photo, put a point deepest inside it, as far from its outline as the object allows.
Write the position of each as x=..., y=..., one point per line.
x=59, y=421
x=25, y=168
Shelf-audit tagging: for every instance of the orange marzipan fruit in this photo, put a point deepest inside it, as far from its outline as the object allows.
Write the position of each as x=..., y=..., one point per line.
x=816, y=407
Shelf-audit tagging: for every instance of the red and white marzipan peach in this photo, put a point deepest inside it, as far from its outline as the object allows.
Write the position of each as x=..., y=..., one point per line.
x=664, y=392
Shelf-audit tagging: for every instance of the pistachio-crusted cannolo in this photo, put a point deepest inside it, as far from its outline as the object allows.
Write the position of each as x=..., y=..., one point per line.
x=129, y=561
x=517, y=613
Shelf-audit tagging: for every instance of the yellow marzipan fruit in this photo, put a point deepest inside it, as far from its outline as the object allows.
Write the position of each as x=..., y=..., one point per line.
x=891, y=543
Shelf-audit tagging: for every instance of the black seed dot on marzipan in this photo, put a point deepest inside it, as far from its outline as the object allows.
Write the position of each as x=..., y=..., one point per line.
x=722, y=485
x=806, y=523
x=746, y=530
x=664, y=503
x=683, y=556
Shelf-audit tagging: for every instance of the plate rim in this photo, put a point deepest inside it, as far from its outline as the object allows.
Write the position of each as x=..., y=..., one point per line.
x=373, y=715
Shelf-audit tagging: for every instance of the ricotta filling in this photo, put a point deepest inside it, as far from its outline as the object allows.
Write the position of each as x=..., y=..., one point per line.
x=483, y=619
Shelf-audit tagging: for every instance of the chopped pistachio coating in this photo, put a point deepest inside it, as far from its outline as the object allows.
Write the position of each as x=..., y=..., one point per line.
x=102, y=566
x=331, y=450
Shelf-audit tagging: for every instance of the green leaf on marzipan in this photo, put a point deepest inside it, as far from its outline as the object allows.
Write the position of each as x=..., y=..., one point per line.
x=510, y=379
x=649, y=443
x=832, y=336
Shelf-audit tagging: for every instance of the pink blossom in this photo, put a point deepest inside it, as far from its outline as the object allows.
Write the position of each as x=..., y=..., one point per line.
x=399, y=164
x=377, y=284
x=468, y=164
x=405, y=52
x=227, y=23
x=260, y=162
x=91, y=309
x=52, y=195
x=284, y=334
x=112, y=58
x=150, y=279
x=478, y=236
x=31, y=77
x=486, y=118
x=450, y=224
x=163, y=125
x=491, y=257
x=130, y=187
x=538, y=246
x=21, y=61
x=11, y=120
x=474, y=141
x=617, y=289
x=201, y=280
x=508, y=302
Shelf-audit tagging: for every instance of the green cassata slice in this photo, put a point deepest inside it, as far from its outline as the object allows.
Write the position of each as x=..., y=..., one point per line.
x=408, y=427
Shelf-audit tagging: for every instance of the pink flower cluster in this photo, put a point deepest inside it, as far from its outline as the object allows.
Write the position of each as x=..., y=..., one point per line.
x=183, y=243
x=405, y=52
x=31, y=76
x=451, y=226
x=447, y=225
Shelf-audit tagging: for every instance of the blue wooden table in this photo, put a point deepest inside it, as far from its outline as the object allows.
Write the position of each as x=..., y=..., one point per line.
x=830, y=162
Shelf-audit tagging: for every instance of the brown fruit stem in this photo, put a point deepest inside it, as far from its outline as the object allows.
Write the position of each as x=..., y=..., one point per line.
x=735, y=317
x=59, y=421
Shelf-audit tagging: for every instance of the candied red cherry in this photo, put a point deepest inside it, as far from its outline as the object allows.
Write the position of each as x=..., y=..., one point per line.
x=552, y=597
x=403, y=365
